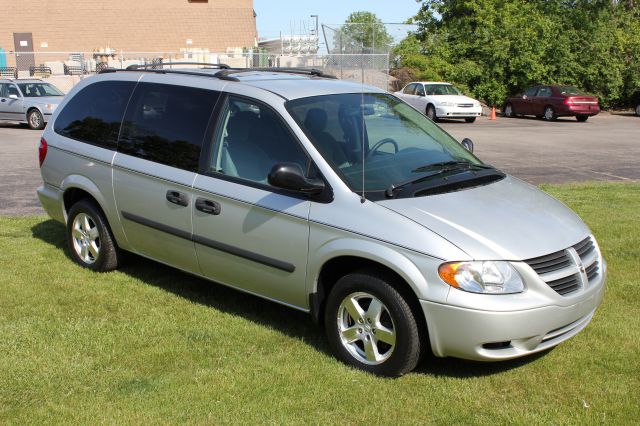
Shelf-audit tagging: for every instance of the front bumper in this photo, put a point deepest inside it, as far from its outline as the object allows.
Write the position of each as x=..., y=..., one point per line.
x=484, y=335
x=458, y=112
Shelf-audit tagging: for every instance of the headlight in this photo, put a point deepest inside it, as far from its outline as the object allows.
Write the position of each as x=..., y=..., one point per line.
x=492, y=277
x=446, y=104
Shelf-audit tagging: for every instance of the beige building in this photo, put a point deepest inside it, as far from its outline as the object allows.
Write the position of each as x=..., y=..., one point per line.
x=161, y=26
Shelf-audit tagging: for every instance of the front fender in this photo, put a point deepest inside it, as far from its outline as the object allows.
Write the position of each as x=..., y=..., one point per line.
x=392, y=258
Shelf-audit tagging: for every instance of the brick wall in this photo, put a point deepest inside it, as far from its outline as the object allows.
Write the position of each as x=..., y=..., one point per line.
x=129, y=25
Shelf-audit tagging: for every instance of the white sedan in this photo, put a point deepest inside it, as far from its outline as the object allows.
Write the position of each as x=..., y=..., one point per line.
x=440, y=100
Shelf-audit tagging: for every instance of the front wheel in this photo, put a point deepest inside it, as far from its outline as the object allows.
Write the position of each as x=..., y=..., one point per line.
x=90, y=240
x=582, y=118
x=508, y=111
x=431, y=113
x=35, y=120
x=370, y=326
x=549, y=113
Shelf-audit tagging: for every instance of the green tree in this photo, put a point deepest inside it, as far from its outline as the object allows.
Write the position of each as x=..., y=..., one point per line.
x=498, y=47
x=363, y=31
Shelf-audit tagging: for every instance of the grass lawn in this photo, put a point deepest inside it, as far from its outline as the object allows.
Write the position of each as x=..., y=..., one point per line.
x=148, y=344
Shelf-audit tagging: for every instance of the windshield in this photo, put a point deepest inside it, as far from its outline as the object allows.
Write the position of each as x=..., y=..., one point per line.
x=399, y=142
x=570, y=90
x=441, y=89
x=36, y=90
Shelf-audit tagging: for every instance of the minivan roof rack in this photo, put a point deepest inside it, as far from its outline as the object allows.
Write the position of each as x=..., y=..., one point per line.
x=163, y=64
x=289, y=70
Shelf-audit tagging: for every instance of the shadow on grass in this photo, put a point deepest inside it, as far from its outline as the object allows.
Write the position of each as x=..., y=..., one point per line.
x=288, y=321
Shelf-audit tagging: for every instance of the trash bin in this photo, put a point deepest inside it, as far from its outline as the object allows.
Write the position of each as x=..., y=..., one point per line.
x=3, y=58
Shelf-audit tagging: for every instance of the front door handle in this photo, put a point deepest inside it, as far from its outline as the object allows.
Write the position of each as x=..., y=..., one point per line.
x=208, y=206
x=179, y=198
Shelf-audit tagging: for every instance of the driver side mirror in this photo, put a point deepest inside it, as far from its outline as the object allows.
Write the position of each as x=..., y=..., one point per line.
x=13, y=97
x=467, y=144
x=290, y=176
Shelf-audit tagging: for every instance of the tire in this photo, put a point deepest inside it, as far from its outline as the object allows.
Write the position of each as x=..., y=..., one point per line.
x=582, y=118
x=35, y=120
x=90, y=240
x=349, y=314
x=638, y=110
x=549, y=113
x=431, y=113
x=470, y=120
x=508, y=111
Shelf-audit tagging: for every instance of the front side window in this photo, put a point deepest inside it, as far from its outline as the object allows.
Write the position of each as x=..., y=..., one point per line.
x=94, y=114
x=441, y=89
x=35, y=90
x=251, y=139
x=167, y=124
x=395, y=142
x=420, y=90
x=531, y=91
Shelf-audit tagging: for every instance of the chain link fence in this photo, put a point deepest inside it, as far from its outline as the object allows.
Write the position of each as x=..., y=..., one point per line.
x=65, y=69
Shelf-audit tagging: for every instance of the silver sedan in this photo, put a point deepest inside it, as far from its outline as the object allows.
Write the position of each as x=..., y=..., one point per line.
x=28, y=101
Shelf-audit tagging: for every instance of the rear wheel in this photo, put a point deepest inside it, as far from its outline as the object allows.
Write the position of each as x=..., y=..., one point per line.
x=470, y=120
x=431, y=113
x=549, y=113
x=638, y=110
x=91, y=242
x=35, y=120
x=508, y=111
x=371, y=326
x=582, y=118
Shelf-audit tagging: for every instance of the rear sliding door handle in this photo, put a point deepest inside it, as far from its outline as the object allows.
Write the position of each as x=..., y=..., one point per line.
x=208, y=206
x=179, y=198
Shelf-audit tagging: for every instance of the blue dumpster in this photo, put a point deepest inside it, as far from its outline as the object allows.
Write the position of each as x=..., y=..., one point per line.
x=3, y=58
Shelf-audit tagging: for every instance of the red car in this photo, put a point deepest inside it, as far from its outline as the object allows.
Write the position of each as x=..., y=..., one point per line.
x=551, y=102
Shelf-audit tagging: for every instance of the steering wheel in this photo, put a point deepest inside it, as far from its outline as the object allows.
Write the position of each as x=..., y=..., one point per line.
x=377, y=146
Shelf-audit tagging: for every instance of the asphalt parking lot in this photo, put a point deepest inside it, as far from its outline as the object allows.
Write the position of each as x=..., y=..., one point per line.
x=605, y=148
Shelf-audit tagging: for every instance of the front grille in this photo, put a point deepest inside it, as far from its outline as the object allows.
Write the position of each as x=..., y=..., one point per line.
x=592, y=271
x=465, y=105
x=584, y=247
x=550, y=262
x=558, y=269
x=565, y=285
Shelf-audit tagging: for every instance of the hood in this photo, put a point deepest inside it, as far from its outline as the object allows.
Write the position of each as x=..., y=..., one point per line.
x=43, y=100
x=456, y=99
x=508, y=219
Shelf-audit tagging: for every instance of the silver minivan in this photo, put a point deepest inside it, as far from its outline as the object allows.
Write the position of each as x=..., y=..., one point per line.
x=327, y=196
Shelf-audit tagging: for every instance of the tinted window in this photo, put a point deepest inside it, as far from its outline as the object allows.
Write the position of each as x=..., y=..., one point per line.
x=167, y=124
x=410, y=89
x=94, y=114
x=544, y=92
x=531, y=91
x=251, y=140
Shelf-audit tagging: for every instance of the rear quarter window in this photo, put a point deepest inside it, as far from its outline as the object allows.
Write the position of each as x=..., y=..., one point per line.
x=95, y=113
x=167, y=124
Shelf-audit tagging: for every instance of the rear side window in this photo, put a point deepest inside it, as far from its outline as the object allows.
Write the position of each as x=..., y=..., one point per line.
x=410, y=89
x=167, y=124
x=94, y=114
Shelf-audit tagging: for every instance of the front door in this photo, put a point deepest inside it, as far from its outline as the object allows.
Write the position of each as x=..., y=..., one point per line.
x=248, y=234
x=10, y=108
x=153, y=172
x=23, y=43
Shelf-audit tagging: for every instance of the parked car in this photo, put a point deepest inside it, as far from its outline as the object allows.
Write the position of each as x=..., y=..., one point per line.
x=326, y=196
x=29, y=101
x=440, y=100
x=635, y=102
x=551, y=102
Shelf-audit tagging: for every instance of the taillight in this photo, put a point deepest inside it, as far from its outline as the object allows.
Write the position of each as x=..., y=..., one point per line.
x=568, y=101
x=42, y=151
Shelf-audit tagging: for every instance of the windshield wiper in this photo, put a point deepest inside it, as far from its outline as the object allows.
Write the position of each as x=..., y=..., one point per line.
x=441, y=168
x=450, y=165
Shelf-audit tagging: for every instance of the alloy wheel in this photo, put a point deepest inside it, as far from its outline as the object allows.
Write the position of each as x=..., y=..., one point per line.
x=86, y=238
x=366, y=328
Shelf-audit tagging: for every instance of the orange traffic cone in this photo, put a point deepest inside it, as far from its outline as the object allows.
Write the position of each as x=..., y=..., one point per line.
x=493, y=113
